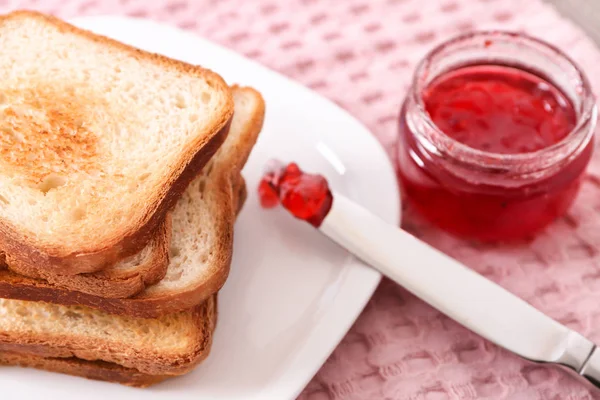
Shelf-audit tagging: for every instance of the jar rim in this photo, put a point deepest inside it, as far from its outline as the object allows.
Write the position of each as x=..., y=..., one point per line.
x=528, y=161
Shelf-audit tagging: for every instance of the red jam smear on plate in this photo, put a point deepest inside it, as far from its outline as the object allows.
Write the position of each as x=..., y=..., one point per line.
x=305, y=196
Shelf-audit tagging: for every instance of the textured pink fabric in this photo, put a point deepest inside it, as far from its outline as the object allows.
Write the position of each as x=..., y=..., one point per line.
x=360, y=54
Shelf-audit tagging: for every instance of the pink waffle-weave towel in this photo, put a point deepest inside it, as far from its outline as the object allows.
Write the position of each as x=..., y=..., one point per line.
x=361, y=54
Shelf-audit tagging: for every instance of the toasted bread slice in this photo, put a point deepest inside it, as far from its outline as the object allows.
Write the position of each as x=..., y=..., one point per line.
x=98, y=140
x=202, y=234
x=125, y=279
x=97, y=370
x=170, y=345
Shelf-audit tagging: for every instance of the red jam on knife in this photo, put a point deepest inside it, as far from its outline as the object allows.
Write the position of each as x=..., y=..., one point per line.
x=494, y=151
x=305, y=196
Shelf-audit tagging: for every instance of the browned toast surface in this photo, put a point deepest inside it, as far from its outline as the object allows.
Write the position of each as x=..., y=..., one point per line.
x=201, y=244
x=88, y=175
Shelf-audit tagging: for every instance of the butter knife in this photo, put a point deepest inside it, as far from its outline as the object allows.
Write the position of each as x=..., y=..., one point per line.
x=460, y=293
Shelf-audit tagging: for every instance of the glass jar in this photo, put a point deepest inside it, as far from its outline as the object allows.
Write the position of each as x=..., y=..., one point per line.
x=484, y=194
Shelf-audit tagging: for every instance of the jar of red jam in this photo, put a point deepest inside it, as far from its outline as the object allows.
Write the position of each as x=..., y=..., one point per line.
x=494, y=135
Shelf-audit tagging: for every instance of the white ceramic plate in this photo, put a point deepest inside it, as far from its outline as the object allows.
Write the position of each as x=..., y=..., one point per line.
x=292, y=294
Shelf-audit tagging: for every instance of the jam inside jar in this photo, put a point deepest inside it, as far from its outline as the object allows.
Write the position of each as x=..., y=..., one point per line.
x=494, y=135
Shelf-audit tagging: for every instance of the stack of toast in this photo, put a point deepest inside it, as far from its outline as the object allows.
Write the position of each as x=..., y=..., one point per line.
x=120, y=182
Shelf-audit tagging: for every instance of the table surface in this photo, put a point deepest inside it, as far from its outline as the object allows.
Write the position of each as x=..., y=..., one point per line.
x=361, y=54
x=586, y=13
